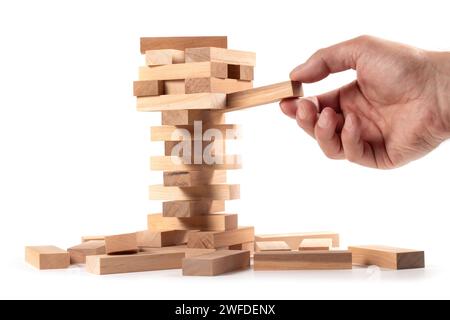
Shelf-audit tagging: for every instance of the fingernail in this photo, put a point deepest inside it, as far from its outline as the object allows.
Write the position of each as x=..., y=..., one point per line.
x=301, y=111
x=324, y=121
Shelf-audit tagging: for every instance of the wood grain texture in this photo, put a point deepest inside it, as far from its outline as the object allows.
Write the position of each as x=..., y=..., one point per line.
x=79, y=252
x=219, y=239
x=182, y=102
x=108, y=264
x=170, y=163
x=121, y=243
x=187, y=117
x=182, y=43
x=302, y=260
x=184, y=70
x=163, y=57
x=263, y=95
x=216, y=263
x=194, y=178
x=240, y=72
x=47, y=257
x=158, y=239
x=388, y=257
x=174, y=87
x=148, y=88
x=216, y=85
x=189, y=252
x=294, y=239
x=91, y=238
x=220, y=55
x=192, y=132
x=200, y=192
x=316, y=244
x=189, y=208
x=195, y=149
x=211, y=222
x=271, y=246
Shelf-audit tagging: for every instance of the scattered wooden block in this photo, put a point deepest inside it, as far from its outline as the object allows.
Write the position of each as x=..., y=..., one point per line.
x=170, y=163
x=111, y=264
x=121, y=244
x=191, y=208
x=194, y=178
x=212, y=222
x=182, y=101
x=174, y=87
x=146, y=88
x=316, y=244
x=184, y=70
x=215, y=85
x=192, y=132
x=272, y=246
x=294, y=239
x=220, y=55
x=189, y=252
x=158, y=239
x=91, y=238
x=79, y=252
x=302, y=260
x=211, y=191
x=216, y=263
x=263, y=95
x=388, y=257
x=218, y=239
x=163, y=57
x=240, y=72
x=181, y=43
x=187, y=117
x=249, y=246
x=47, y=257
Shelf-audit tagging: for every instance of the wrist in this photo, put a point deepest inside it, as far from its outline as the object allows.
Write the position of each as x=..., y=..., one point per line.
x=441, y=69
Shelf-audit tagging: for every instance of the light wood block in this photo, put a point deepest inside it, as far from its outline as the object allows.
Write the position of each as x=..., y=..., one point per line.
x=79, y=252
x=388, y=257
x=171, y=163
x=194, y=149
x=148, y=88
x=248, y=246
x=194, y=178
x=163, y=57
x=182, y=101
x=189, y=252
x=215, y=85
x=184, y=71
x=302, y=260
x=111, y=264
x=216, y=263
x=192, y=208
x=316, y=244
x=182, y=43
x=192, y=132
x=263, y=95
x=212, y=222
x=220, y=55
x=91, y=238
x=158, y=239
x=218, y=239
x=294, y=239
x=121, y=243
x=240, y=72
x=174, y=87
x=211, y=192
x=187, y=117
x=47, y=257
x=271, y=246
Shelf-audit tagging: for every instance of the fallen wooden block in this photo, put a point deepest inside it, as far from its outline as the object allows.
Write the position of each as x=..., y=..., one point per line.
x=187, y=117
x=79, y=252
x=271, y=246
x=302, y=260
x=294, y=239
x=211, y=222
x=215, y=85
x=121, y=244
x=171, y=163
x=184, y=71
x=263, y=95
x=158, y=239
x=191, y=208
x=192, y=132
x=210, y=191
x=219, y=239
x=148, y=88
x=47, y=257
x=182, y=101
x=316, y=244
x=189, y=252
x=387, y=257
x=194, y=178
x=249, y=246
x=111, y=264
x=216, y=263
x=91, y=238
x=181, y=43
x=240, y=72
x=163, y=57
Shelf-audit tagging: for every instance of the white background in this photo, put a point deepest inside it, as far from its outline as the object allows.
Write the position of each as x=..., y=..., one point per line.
x=74, y=152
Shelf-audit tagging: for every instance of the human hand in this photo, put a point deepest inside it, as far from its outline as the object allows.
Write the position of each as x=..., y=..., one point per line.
x=396, y=111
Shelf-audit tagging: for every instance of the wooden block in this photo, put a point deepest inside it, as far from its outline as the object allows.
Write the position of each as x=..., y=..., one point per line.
x=302, y=260
x=111, y=264
x=220, y=55
x=91, y=238
x=200, y=192
x=174, y=87
x=181, y=43
x=182, y=101
x=187, y=117
x=215, y=85
x=248, y=246
x=194, y=178
x=195, y=149
x=184, y=70
x=148, y=88
x=271, y=246
x=163, y=56
x=189, y=252
x=158, y=239
x=47, y=257
x=316, y=244
x=193, y=132
x=189, y=208
x=79, y=252
x=388, y=257
x=216, y=263
x=294, y=239
x=263, y=95
x=218, y=239
x=212, y=222
x=170, y=163
x=240, y=72
x=121, y=244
